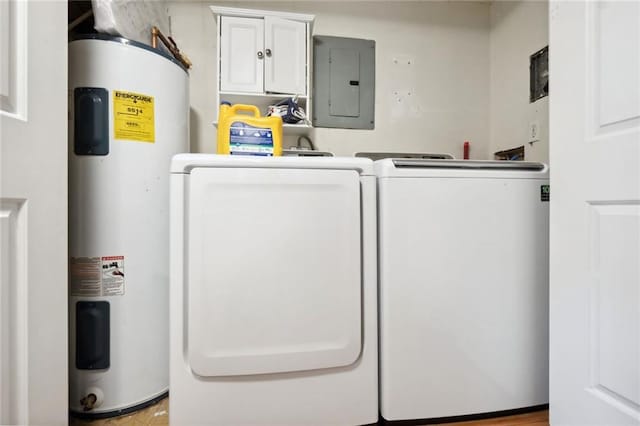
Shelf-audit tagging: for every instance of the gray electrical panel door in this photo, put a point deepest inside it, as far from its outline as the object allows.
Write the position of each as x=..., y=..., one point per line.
x=343, y=82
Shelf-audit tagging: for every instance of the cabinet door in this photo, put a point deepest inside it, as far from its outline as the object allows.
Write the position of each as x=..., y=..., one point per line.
x=285, y=56
x=241, y=54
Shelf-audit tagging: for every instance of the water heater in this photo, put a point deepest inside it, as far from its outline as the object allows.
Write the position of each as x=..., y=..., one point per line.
x=128, y=115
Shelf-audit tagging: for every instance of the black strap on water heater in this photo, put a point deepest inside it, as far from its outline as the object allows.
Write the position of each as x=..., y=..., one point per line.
x=92, y=335
x=91, y=121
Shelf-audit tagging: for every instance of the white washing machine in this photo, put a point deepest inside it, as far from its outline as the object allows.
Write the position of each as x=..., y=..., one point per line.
x=464, y=270
x=273, y=291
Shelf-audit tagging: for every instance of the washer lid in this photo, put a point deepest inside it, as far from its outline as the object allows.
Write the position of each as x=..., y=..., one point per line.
x=184, y=163
x=273, y=280
x=410, y=167
x=423, y=155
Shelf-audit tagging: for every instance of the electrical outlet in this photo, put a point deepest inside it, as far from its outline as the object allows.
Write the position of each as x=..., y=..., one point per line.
x=534, y=131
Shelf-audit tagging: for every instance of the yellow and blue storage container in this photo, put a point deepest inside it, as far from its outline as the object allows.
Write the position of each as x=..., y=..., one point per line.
x=248, y=134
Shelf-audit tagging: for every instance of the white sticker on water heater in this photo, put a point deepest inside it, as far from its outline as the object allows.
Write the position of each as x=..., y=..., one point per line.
x=84, y=276
x=113, y=275
x=96, y=276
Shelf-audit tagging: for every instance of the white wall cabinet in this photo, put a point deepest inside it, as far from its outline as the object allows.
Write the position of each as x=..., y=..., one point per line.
x=262, y=57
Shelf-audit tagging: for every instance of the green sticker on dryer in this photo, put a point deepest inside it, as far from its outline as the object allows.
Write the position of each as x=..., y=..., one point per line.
x=545, y=192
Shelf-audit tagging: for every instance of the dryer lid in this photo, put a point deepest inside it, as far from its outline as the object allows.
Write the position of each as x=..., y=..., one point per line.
x=184, y=163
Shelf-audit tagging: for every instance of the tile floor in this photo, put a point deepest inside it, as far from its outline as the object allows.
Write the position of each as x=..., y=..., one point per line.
x=158, y=414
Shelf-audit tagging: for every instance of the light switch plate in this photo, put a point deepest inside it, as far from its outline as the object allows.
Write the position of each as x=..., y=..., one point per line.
x=534, y=131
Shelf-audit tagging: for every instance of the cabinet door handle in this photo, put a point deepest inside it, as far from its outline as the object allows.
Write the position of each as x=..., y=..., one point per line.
x=260, y=55
x=268, y=52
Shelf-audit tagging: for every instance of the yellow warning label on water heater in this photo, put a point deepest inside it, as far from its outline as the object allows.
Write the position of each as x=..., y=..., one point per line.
x=133, y=117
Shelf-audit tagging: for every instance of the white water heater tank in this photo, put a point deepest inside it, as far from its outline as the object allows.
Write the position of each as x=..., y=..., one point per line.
x=128, y=115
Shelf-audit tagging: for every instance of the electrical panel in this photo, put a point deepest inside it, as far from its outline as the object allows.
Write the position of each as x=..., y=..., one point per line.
x=343, y=82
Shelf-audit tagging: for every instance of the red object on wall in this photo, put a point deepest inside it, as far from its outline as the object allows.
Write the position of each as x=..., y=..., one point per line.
x=466, y=150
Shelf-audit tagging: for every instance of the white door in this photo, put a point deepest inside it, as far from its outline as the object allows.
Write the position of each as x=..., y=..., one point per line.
x=285, y=46
x=595, y=213
x=241, y=54
x=33, y=212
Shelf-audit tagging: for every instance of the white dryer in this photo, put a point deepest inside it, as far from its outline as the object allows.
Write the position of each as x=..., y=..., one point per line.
x=273, y=291
x=464, y=277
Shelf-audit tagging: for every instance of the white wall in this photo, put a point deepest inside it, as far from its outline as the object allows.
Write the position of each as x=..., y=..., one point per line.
x=446, y=42
x=518, y=29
